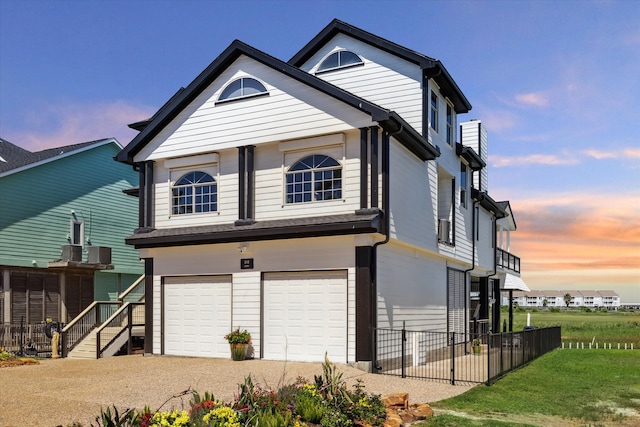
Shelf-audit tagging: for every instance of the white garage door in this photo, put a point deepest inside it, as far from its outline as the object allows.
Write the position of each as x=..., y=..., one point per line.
x=197, y=315
x=305, y=315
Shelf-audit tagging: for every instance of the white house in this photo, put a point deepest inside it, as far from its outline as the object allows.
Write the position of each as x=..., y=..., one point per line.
x=315, y=200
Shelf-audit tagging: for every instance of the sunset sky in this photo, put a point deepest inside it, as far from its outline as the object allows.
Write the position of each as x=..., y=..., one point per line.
x=556, y=84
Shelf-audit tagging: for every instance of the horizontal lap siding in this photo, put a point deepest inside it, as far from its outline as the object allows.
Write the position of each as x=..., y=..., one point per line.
x=411, y=289
x=227, y=195
x=245, y=313
x=36, y=223
x=384, y=79
x=485, y=248
x=412, y=209
x=291, y=110
x=269, y=179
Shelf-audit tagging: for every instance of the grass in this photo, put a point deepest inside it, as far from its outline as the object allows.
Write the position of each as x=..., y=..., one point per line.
x=578, y=326
x=589, y=386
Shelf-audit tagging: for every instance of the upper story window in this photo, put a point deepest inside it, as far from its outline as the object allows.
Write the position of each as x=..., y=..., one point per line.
x=450, y=127
x=76, y=234
x=340, y=59
x=434, y=111
x=194, y=192
x=464, y=184
x=314, y=178
x=244, y=87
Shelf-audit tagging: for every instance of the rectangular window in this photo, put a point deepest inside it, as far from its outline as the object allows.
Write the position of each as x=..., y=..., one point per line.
x=463, y=185
x=434, y=111
x=450, y=128
x=76, y=235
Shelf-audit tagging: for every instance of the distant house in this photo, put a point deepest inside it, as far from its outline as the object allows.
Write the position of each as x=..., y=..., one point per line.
x=579, y=298
x=316, y=201
x=63, y=221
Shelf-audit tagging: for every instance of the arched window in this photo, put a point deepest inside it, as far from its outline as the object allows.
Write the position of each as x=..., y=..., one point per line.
x=194, y=192
x=339, y=59
x=313, y=179
x=242, y=88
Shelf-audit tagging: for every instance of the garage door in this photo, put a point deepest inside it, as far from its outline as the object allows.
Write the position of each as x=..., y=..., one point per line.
x=197, y=315
x=305, y=315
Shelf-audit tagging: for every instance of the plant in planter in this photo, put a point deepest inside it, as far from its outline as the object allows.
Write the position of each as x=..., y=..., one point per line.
x=238, y=341
x=475, y=344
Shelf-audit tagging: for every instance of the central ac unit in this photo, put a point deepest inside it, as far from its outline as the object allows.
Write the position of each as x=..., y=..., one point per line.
x=99, y=255
x=444, y=230
x=72, y=253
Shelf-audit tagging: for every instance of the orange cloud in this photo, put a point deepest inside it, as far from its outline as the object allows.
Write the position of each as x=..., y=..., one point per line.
x=77, y=123
x=585, y=231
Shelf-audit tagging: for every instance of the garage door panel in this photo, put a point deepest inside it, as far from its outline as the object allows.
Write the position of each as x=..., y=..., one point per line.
x=197, y=315
x=305, y=315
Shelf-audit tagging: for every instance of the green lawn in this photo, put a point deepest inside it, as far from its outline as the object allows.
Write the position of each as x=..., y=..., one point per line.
x=578, y=326
x=588, y=386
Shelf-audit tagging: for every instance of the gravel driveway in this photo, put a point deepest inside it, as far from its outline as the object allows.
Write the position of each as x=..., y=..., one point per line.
x=61, y=391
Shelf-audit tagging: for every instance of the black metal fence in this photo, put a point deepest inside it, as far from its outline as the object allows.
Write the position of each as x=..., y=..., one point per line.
x=460, y=357
x=25, y=339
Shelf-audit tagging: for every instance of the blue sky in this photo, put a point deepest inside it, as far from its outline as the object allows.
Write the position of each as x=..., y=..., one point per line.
x=555, y=83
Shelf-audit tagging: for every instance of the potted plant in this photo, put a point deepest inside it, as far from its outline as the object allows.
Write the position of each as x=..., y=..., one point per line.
x=475, y=344
x=238, y=342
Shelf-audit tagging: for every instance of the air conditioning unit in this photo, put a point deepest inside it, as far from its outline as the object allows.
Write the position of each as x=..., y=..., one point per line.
x=444, y=230
x=72, y=253
x=99, y=255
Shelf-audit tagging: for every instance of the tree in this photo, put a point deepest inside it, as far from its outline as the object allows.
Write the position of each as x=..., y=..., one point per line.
x=545, y=302
x=567, y=299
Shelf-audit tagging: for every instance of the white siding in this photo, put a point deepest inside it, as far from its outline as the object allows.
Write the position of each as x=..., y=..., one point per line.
x=384, y=79
x=484, y=245
x=412, y=202
x=246, y=306
x=412, y=288
x=327, y=253
x=291, y=110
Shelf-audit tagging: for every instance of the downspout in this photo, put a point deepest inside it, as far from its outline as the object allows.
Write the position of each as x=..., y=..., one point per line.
x=374, y=253
x=473, y=259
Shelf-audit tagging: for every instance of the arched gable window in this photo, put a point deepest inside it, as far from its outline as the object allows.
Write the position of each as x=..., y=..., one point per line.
x=194, y=192
x=242, y=88
x=314, y=178
x=339, y=59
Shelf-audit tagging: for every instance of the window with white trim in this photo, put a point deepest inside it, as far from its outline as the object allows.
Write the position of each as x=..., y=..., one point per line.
x=244, y=87
x=194, y=192
x=434, y=111
x=339, y=59
x=312, y=179
x=76, y=234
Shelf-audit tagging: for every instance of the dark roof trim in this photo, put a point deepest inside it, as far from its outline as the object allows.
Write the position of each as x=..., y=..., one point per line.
x=183, y=98
x=506, y=206
x=335, y=225
x=409, y=137
x=470, y=156
x=433, y=68
x=139, y=126
x=488, y=203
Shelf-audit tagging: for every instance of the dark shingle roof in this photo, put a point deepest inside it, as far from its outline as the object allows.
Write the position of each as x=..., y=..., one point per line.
x=14, y=157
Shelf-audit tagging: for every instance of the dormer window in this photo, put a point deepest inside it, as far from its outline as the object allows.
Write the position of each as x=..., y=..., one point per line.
x=340, y=59
x=244, y=87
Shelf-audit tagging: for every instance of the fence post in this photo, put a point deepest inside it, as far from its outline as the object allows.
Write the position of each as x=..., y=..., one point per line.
x=453, y=358
x=489, y=340
x=403, y=351
x=130, y=327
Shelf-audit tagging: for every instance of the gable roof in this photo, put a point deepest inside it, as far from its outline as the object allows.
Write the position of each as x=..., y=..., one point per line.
x=433, y=68
x=14, y=159
x=388, y=120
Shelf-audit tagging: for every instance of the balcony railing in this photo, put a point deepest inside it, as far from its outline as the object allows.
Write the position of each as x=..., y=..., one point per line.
x=508, y=261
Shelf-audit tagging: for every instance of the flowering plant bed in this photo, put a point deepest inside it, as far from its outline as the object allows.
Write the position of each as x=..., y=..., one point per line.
x=325, y=401
x=8, y=359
